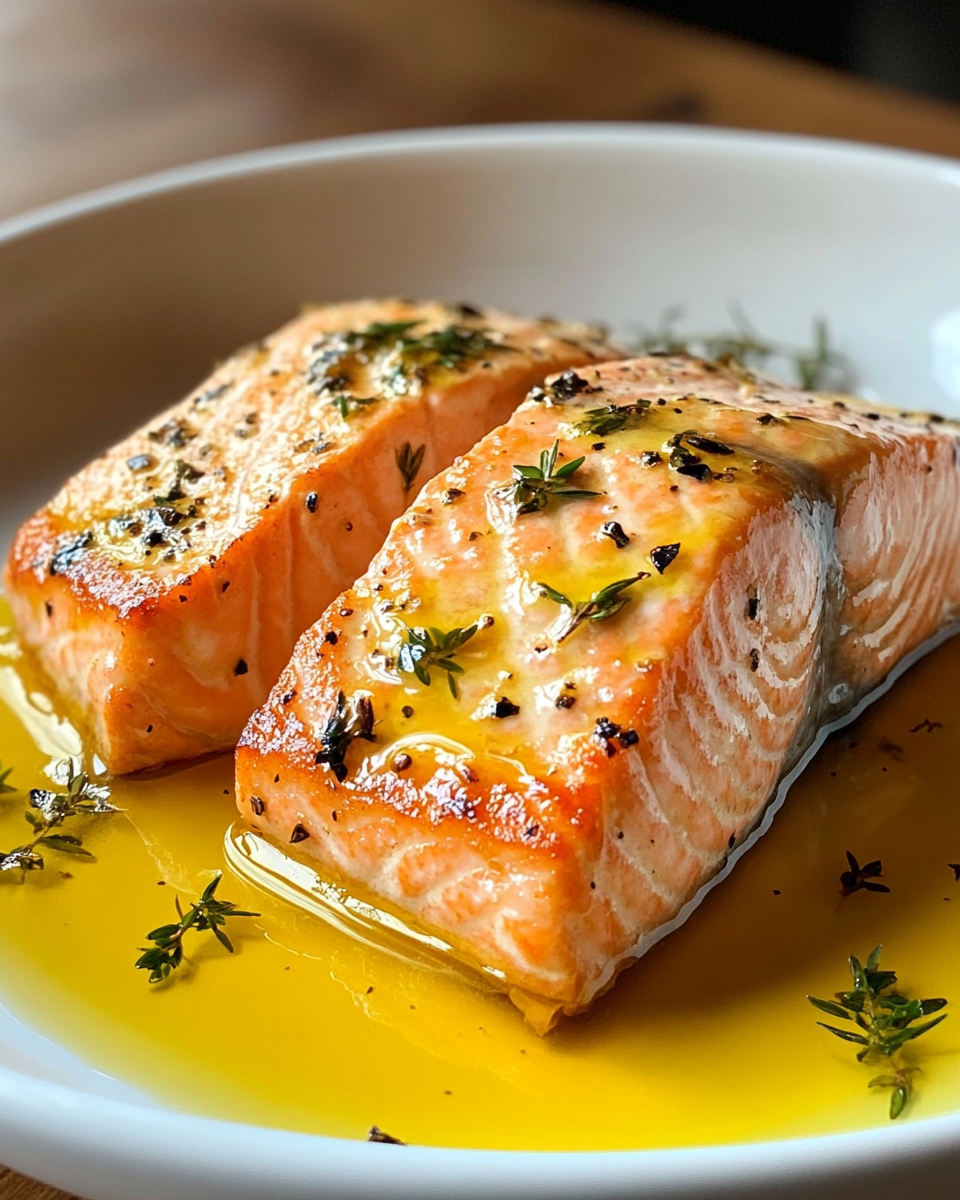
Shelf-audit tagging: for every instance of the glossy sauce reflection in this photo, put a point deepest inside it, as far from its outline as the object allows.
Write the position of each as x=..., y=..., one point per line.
x=310, y=1027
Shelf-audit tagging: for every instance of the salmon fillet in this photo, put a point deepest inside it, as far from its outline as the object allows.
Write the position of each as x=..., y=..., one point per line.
x=164, y=587
x=539, y=723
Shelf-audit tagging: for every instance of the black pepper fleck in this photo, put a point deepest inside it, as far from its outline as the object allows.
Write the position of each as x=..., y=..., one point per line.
x=257, y=805
x=614, y=531
x=312, y=502
x=299, y=834
x=241, y=668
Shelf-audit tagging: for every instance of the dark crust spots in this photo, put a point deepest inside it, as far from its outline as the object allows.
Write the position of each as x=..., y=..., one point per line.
x=176, y=433
x=68, y=550
x=598, y=446
x=299, y=834
x=754, y=659
x=614, y=530
x=753, y=604
x=570, y=384
x=224, y=586
x=330, y=637
x=699, y=471
x=505, y=708
x=605, y=731
x=287, y=697
x=450, y=495
x=663, y=556
x=402, y=762
x=565, y=700
x=241, y=668
x=257, y=805
x=650, y=458
x=312, y=502
x=49, y=608
x=532, y=831
x=407, y=711
x=708, y=445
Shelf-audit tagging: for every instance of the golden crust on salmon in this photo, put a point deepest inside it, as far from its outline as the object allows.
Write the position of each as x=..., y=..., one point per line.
x=569, y=683
x=164, y=587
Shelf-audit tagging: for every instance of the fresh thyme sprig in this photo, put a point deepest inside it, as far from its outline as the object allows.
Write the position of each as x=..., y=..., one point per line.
x=425, y=649
x=532, y=488
x=815, y=368
x=349, y=721
x=6, y=789
x=409, y=462
x=166, y=954
x=602, y=604
x=81, y=799
x=885, y=1020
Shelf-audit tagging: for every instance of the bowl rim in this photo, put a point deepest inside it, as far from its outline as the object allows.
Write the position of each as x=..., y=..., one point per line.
x=103, y=1128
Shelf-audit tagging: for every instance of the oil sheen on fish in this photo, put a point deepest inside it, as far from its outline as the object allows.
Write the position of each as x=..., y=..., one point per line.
x=164, y=587
x=644, y=663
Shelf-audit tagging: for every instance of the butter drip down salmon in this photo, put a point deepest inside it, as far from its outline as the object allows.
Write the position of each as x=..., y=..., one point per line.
x=569, y=683
x=164, y=587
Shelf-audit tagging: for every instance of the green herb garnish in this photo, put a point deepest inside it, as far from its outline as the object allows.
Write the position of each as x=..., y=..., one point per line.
x=449, y=347
x=531, y=488
x=379, y=335
x=348, y=723
x=816, y=368
x=345, y=405
x=602, y=604
x=5, y=788
x=81, y=799
x=166, y=954
x=884, y=1020
x=599, y=422
x=409, y=462
x=425, y=649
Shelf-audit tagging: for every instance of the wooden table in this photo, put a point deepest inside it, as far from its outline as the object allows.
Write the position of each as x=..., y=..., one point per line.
x=95, y=92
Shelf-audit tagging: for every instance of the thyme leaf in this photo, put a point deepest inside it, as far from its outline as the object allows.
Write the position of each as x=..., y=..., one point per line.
x=532, y=488
x=345, y=405
x=601, y=605
x=208, y=913
x=348, y=722
x=49, y=810
x=599, y=422
x=884, y=1021
x=409, y=462
x=860, y=878
x=426, y=649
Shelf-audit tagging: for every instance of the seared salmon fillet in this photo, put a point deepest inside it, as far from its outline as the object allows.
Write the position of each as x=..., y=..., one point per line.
x=164, y=587
x=569, y=683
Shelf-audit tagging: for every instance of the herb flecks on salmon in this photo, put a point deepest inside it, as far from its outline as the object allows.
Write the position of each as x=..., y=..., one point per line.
x=773, y=599
x=221, y=530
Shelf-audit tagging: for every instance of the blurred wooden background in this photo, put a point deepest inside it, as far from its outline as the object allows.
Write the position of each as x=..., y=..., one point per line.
x=94, y=91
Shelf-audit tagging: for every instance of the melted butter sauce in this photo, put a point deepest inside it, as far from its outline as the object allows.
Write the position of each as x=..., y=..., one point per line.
x=707, y=1040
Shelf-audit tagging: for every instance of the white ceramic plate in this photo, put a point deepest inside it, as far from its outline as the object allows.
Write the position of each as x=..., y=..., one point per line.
x=115, y=303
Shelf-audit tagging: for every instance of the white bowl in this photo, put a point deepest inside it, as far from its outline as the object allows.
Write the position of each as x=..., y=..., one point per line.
x=117, y=302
